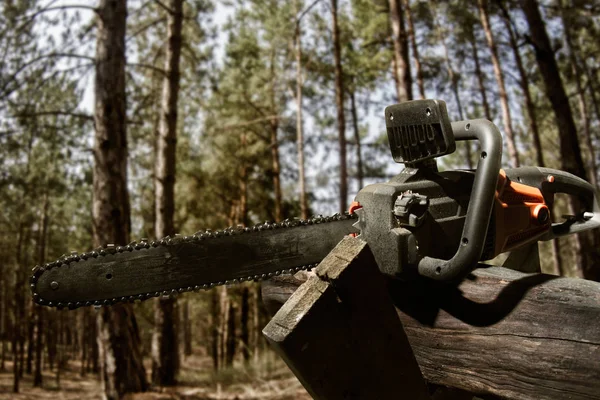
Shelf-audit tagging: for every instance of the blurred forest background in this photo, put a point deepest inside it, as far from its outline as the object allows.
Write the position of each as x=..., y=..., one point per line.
x=141, y=119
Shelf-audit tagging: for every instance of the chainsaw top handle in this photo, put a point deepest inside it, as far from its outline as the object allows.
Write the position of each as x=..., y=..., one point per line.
x=480, y=205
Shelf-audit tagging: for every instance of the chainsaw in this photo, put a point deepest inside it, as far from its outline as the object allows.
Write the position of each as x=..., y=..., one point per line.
x=422, y=224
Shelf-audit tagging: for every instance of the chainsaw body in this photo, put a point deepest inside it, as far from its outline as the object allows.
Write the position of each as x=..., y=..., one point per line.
x=441, y=224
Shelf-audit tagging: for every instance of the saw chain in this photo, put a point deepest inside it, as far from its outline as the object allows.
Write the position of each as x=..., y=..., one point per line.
x=69, y=265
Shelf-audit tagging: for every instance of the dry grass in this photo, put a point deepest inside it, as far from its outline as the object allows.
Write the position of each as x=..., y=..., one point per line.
x=266, y=378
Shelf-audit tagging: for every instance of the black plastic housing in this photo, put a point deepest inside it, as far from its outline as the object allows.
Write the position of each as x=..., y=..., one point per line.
x=419, y=130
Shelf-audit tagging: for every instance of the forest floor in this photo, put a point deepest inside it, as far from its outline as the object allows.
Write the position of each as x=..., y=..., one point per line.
x=268, y=378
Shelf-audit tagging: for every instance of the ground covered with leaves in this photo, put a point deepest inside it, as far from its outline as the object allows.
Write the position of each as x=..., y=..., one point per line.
x=266, y=378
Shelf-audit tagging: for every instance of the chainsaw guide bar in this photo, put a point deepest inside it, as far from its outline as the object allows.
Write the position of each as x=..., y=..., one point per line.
x=139, y=271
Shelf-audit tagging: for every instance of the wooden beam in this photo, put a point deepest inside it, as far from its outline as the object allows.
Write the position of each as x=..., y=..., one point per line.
x=340, y=334
x=505, y=333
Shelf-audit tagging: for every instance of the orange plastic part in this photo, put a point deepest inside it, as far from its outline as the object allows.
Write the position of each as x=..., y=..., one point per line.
x=353, y=207
x=521, y=214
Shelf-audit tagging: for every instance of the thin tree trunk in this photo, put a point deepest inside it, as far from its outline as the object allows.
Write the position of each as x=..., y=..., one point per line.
x=3, y=317
x=415, y=49
x=480, y=77
x=591, y=86
x=187, y=329
x=165, y=349
x=276, y=167
x=83, y=339
x=274, y=145
x=506, y=118
x=223, y=324
x=299, y=117
x=586, y=255
x=51, y=338
x=118, y=335
x=16, y=377
x=231, y=334
x=339, y=99
x=524, y=83
x=359, y=162
x=215, y=313
x=39, y=311
x=243, y=182
x=255, y=328
x=400, y=40
x=583, y=109
x=244, y=324
x=15, y=342
x=454, y=79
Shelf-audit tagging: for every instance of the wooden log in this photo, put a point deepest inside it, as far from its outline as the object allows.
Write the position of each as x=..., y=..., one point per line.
x=339, y=332
x=505, y=333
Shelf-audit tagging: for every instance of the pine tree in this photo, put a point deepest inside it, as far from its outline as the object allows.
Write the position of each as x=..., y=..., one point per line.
x=119, y=341
x=165, y=351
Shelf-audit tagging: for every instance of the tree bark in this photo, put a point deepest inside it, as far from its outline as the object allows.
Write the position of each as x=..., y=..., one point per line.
x=586, y=255
x=506, y=118
x=118, y=335
x=415, y=49
x=339, y=99
x=165, y=349
x=401, y=56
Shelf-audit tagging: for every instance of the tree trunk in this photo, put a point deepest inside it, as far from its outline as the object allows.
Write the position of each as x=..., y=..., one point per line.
x=583, y=109
x=15, y=351
x=274, y=145
x=480, y=77
x=524, y=83
x=571, y=160
x=255, y=329
x=299, y=118
x=3, y=317
x=118, y=336
x=220, y=313
x=401, y=56
x=415, y=49
x=276, y=167
x=231, y=334
x=243, y=182
x=506, y=119
x=339, y=99
x=187, y=329
x=165, y=349
x=359, y=162
x=454, y=79
x=244, y=324
x=39, y=311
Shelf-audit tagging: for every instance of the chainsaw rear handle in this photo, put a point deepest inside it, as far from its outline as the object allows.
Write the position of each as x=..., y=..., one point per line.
x=552, y=181
x=480, y=206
